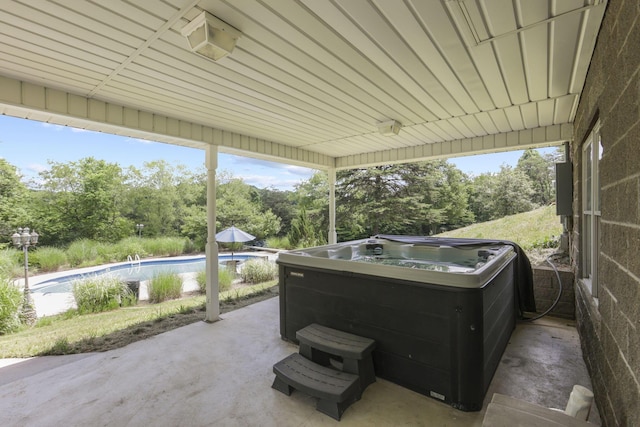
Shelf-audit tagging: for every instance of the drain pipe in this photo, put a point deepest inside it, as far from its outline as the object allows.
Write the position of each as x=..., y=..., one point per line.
x=547, y=311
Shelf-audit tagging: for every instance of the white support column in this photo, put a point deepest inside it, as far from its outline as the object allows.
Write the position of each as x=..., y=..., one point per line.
x=333, y=236
x=211, y=263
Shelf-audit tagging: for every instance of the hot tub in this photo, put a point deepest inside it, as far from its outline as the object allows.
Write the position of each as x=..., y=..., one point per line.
x=441, y=313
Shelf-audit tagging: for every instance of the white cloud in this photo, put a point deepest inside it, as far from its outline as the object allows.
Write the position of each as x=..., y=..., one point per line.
x=60, y=128
x=265, y=174
x=36, y=167
x=141, y=141
x=266, y=181
x=299, y=170
x=245, y=161
x=57, y=128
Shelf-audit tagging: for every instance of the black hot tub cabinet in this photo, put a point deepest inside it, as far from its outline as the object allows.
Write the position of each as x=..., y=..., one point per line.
x=440, y=312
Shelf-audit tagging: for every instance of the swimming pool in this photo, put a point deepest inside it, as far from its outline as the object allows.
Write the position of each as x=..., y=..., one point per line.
x=132, y=271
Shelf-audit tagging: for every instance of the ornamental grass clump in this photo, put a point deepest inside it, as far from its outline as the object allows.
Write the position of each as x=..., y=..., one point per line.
x=130, y=246
x=10, y=301
x=258, y=271
x=101, y=293
x=279, y=243
x=48, y=258
x=225, y=278
x=10, y=265
x=164, y=286
x=82, y=252
x=164, y=246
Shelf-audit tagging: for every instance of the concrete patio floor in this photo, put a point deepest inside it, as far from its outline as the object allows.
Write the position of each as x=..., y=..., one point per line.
x=220, y=374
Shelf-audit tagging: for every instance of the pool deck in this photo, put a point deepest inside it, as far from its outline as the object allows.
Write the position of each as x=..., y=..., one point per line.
x=49, y=304
x=221, y=373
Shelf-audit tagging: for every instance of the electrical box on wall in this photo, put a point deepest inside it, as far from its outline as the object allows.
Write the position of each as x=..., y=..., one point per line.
x=564, y=189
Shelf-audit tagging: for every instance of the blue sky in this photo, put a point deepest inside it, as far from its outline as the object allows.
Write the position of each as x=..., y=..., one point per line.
x=29, y=145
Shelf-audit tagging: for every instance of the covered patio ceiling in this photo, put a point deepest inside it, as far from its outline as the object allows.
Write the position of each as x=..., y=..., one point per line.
x=308, y=80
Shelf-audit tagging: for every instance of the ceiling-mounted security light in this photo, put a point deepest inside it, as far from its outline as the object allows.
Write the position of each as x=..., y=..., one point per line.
x=389, y=128
x=210, y=37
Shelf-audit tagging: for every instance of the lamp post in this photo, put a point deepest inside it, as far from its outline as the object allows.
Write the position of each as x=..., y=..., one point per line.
x=139, y=227
x=25, y=239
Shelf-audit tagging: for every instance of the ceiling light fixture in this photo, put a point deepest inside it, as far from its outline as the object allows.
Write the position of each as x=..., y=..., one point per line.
x=210, y=37
x=389, y=128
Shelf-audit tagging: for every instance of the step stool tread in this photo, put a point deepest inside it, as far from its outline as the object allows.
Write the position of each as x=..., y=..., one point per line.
x=336, y=342
x=316, y=380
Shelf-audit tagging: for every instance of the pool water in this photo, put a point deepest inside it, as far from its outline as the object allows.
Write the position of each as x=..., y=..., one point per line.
x=144, y=270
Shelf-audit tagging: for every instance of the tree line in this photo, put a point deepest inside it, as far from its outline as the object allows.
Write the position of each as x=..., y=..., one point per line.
x=94, y=199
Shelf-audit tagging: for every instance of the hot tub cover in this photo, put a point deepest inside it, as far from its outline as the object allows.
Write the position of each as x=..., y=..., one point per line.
x=524, y=274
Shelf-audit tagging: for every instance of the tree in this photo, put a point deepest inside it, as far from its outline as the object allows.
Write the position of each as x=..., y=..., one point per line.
x=482, y=197
x=81, y=200
x=154, y=199
x=540, y=171
x=194, y=225
x=192, y=190
x=312, y=196
x=281, y=203
x=443, y=192
x=454, y=198
x=303, y=233
x=413, y=198
x=239, y=204
x=513, y=192
x=13, y=200
x=377, y=194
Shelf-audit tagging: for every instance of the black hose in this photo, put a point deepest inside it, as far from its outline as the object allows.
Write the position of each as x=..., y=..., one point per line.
x=559, y=292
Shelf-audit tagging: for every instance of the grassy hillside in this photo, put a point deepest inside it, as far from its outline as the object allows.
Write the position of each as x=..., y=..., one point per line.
x=531, y=230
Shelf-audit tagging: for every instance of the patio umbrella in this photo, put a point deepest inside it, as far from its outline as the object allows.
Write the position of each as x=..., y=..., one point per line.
x=233, y=235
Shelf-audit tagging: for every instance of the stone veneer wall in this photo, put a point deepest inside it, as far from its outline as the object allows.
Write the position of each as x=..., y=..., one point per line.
x=609, y=327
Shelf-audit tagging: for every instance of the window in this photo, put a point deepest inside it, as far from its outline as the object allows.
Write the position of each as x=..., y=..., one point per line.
x=591, y=155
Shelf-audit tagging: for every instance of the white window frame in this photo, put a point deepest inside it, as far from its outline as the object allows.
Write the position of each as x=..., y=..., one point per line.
x=591, y=210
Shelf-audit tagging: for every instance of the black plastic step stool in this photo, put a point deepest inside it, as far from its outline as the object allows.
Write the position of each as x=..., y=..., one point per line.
x=312, y=372
x=335, y=390
x=318, y=343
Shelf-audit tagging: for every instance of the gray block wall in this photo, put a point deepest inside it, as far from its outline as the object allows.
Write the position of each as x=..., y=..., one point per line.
x=609, y=325
x=545, y=290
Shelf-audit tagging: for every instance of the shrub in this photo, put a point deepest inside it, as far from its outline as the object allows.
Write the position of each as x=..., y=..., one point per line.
x=544, y=243
x=108, y=252
x=10, y=301
x=191, y=247
x=231, y=246
x=164, y=286
x=201, y=278
x=258, y=271
x=48, y=258
x=101, y=293
x=82, y=252
x=9, y=264
x=59, y=348
x=279, y=243
x=129, y=246
x=225, y=278
x=165, y=246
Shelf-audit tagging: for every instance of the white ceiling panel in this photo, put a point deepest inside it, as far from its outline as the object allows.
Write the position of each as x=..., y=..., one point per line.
x=308, y=79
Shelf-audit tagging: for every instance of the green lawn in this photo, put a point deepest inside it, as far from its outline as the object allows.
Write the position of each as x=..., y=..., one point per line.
x=72, y=333
x=539, y=228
